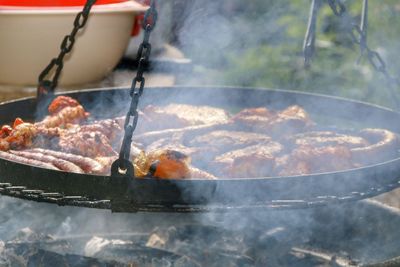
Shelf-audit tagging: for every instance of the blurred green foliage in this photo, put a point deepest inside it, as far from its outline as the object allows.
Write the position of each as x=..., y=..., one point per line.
x=263, y=48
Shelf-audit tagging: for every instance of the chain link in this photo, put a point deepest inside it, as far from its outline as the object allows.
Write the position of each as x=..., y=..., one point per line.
x=123, y=166
x=46, y=85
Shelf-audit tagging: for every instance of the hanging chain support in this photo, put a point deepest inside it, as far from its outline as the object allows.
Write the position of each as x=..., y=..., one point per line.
x=46, y=83
x=358, y=34
x=364, y=27
x=359, y=37
x=309, y=40
x=123, y=166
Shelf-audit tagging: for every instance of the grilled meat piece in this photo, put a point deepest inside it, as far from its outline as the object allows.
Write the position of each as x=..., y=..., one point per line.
x=59, y=163
x=63, y=110
x=180, y=115
x=68, y=115
x=190, y=131
x=61, y=102
x=4, y=145
x=196, y=173
x=23, y=160
x=112, y=128
x=252, y=161
x=327, y=138
x=384, y=145
x=27, y=134
x=87, y=144
x=221, y=141
x=307, y=159
x=88, y=165
x=106, y=162
x=21, y=136
x=200, y=156
x=293, y=119
x=167, y=164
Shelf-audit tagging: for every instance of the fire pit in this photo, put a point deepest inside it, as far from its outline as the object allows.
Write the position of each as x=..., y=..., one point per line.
x=357, y=234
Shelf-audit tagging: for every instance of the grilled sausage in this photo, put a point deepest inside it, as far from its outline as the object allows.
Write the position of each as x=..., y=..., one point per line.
x=59, y=163
x=27, y=161
x=383, y=146
x=88, y=165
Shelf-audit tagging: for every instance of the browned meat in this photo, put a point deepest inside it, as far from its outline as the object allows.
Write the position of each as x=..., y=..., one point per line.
x=383, y=146
x=4, y=145
x=60, y=102
x=112, y=128
x=293, y=119
x=87, y=144
x=88, y=165
x=106, y=162
x=252, y=161
x=189, y=132
x=196, y=173
x=167, y=164
x=221, y=141
x=65, y=116
x=59, y=163
x=306, y=160
x=180, y=115
x=200, y=156
x=23, y=160
x=327, y=138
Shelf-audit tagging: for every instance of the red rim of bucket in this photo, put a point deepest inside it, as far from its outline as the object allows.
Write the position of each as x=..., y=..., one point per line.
x=54, y=3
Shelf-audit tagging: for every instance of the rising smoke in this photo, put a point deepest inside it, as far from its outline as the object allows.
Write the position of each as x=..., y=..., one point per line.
x=217, y=36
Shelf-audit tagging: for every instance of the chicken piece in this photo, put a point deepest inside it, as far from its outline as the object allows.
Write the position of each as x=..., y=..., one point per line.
x=168, y=164
x=307, y=159
x=327, y=138
x=163, y=164
x=65, y=116
x=383, y=145
x=180, y=115
x=5, y=131
x=87, y=144
x=4, y=145
x=293, y=119
x=25, y=135
x=63, y=110
x=21, y=136
x=61, y=102
x=109, y=128
x=252, y=161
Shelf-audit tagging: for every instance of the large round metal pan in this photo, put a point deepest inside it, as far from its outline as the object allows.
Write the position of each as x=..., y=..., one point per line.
x=141, y=194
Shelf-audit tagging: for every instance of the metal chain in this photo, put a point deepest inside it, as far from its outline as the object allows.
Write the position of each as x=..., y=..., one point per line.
x=309, y=40
x=358, y=34
x=123, y=166
x=47, y=86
